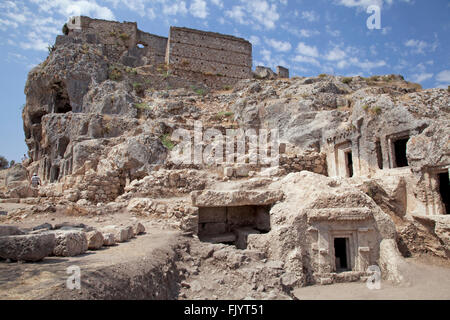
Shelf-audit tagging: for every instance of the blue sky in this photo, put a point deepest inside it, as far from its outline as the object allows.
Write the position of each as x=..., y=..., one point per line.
x=307, y=36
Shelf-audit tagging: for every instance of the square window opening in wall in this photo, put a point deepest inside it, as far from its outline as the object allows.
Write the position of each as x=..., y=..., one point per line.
x=232, y=225
x=399, y=148
x=342, y=254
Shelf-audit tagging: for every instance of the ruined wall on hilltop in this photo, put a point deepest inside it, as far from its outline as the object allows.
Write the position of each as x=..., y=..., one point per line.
x=122, y=41
x=209, y=57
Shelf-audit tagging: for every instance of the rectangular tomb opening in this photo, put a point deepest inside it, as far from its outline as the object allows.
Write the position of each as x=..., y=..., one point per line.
x=341, y=252
x=349, y=162
x=232, y=225
x=400, y=153
x=444, y=190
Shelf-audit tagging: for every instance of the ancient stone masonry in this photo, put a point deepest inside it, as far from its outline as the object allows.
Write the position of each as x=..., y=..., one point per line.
x=202, y=54
x=212, y=58
x=143, y=48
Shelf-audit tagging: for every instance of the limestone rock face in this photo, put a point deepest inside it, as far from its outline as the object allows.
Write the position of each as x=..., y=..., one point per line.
x=265, y=73
x=431, y=147
x=70, y=243
x=17, y=173
x=33, y=247
x=210, y=198
x=316, y=208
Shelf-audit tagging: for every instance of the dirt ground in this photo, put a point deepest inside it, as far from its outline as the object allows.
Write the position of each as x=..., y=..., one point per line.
x=426, y=279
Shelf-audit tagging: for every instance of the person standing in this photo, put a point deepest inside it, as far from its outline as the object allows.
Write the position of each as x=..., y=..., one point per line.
x=35, y=181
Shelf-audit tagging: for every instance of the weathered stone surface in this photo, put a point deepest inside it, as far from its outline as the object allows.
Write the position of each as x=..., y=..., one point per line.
x=95, y=240
x=17, y=173
x=108, y=239
x=211, y=198
x=121, y=234
x=33, y=247
x=138, y=228
x=70, y=243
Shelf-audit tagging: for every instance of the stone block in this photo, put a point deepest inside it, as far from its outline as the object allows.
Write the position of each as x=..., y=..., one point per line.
x=228, y=172
x=108, y=239
x=33, y=247
x=70, y=243
x=95, y=240
x=138, y=228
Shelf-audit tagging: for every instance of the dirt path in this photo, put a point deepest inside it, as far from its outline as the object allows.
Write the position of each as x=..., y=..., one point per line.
x=426, y=281
x=142, y=268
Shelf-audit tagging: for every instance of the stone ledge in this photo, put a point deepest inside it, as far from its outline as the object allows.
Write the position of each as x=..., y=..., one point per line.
x=235, y=198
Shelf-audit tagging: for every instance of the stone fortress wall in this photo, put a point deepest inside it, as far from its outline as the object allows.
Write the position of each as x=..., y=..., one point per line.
x=208, y=54
x=212, y=58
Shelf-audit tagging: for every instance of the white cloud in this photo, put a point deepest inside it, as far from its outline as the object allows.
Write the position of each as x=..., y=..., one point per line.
x=300, y=33
x=258, y=12
x=218, y=3
x=306, y=50
x=34, y=42
x=311, y=16
x=421, y=77
x=199, y=9
x=175, y=8
x=366, y=64
x=281, y=46
x=309, y=60
x=335, y=54
x=263, y=12
x=75, y=8
x=444, y=76
x=237, y=13
x=417, y=45
x=332, y=32
x=255, y=40
x=151, y=13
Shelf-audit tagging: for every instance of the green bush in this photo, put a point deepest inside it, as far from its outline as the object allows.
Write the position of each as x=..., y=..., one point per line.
x=65, y=29
x=3, y=163
x=165, y=140
x=115, y=74
x=224, y=114
x=347, y=80
x=322, y=75
x=138, y=88
x=142, y=106
x=124, y=36
x=376, y=110
x=199, y=91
